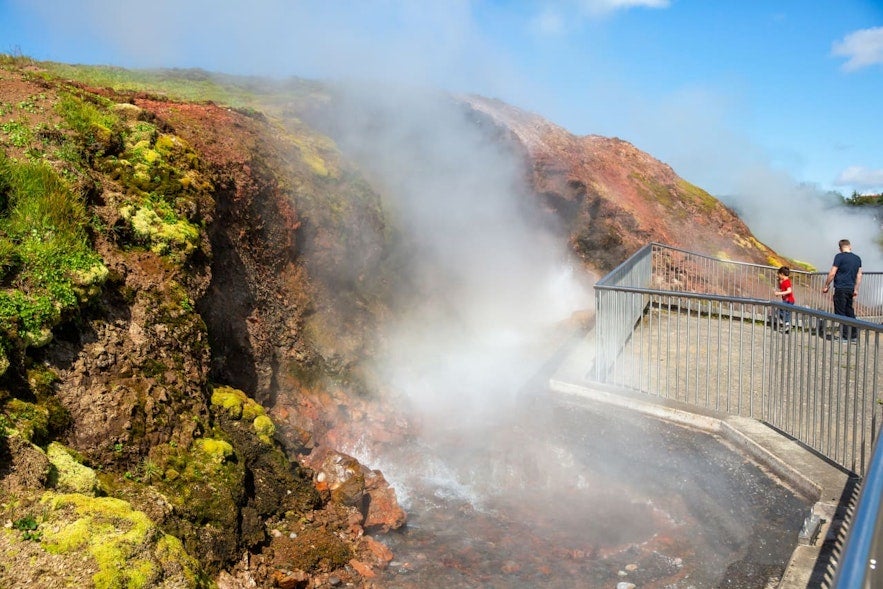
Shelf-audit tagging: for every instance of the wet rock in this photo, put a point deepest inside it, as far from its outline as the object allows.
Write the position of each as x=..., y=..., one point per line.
x=362, y=568
x=384, y=513
x=351, y=483
x=378, y=552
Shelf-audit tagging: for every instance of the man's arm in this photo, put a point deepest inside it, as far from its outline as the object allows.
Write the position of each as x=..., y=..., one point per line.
x=830, y=277
x=858, y=281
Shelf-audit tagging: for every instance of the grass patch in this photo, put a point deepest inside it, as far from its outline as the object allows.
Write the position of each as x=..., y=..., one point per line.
x=47, y=267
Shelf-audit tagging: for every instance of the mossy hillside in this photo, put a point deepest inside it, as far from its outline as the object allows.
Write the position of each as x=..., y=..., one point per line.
x=164, y=189
x=49, y=268
x=246, y=95
x=128, y=549
x=671, y=196
x=339, y=209
x=706, y=202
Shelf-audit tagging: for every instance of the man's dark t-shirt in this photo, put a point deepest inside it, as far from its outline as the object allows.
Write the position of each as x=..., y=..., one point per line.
x=847, y=264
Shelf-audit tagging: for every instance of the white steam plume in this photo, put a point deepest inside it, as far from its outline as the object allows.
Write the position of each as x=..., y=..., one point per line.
x=802, y=221
x=490, y=280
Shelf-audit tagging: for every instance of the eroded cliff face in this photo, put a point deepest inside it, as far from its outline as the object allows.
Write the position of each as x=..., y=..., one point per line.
x=141, y=404
x=209, y=379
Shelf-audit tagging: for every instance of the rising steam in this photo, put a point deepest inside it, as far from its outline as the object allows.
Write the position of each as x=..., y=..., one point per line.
x=488, y=277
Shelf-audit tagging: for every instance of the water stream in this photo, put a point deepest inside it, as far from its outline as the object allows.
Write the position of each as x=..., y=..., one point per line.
x=567, y=496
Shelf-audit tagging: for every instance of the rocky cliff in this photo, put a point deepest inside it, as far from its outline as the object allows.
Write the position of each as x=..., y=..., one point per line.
x=191, y=292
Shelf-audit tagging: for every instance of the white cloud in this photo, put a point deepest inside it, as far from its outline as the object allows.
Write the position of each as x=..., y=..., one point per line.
x=860, y=177
x=556, y=18
x=861, y=48
x=549, y=22
x=607, y=6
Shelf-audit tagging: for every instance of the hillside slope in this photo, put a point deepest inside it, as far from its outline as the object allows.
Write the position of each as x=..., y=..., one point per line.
x=180, y=371
x=614, y=198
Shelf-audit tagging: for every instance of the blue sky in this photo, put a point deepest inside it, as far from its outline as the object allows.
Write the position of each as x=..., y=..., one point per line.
x=708, y=87
x=769, y=100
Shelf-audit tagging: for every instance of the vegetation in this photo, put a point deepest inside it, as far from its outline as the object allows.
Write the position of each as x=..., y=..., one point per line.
x=858, y=200
x=128, y=549
x=48, y=269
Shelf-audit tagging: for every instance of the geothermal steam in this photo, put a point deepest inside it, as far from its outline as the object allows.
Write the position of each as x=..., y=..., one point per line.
x=488, y=277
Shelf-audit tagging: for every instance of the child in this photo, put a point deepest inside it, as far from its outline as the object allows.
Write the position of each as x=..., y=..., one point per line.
x=787, y=293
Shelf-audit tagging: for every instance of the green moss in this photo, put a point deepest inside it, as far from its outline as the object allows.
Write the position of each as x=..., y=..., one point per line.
x=205, y=484
x=265, y=428
x=229, y=399
x=129, y=550
x=311, y=148
x=706, y=202
x=44, y=254
x=806, y=266
x=87, y=282
x=176, y=237
x=171, y=554
x=40, y=379
x=69, y=476
x=30, y=420
x=217, y=450
x=237, y=404
x=98, y=128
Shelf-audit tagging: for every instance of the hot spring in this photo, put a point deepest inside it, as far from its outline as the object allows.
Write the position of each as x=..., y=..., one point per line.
x=565, y=494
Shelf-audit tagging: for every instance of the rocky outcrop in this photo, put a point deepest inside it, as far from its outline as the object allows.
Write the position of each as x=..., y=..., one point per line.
x=614, y=198
x=196, y=216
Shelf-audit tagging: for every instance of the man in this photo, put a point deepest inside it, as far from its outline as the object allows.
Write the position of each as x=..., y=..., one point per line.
x=846, y=273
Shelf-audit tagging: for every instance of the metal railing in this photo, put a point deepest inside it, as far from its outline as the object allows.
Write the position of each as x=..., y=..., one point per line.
x=706, y=332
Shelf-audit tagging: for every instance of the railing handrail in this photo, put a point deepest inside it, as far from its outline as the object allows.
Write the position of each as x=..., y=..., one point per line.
x=821, y=314
x=736, y=262
x=853, y=569
x=864, y=541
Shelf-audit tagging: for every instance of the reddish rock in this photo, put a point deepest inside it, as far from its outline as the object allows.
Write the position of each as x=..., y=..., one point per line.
x=363, y=569
x=384, y=513
x=379, y=551
x=351, y=483
x=290, y=579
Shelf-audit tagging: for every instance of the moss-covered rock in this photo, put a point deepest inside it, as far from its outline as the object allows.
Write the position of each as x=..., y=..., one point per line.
x=216, y=451
x=239, y=406
x=68, y=475
x=30, y=420
x=265, y=428
x=164, y=236
x=128, y=550
x=205, y=485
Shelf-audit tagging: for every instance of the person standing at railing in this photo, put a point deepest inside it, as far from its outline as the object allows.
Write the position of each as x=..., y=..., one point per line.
x=846, y=274
x=787, y=293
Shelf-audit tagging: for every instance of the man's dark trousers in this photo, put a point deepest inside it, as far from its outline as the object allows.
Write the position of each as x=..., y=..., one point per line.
x=843, y=306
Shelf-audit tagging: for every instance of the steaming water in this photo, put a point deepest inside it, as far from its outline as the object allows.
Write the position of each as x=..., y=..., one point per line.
x=566, y=496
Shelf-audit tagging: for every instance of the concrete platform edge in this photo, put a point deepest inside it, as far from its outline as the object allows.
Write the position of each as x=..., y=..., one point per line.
x=797, y=467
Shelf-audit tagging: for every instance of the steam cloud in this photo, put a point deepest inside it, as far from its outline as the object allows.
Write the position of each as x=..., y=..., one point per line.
x=490, y=278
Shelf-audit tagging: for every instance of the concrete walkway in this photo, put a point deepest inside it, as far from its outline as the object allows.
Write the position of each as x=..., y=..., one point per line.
x=832, y=490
